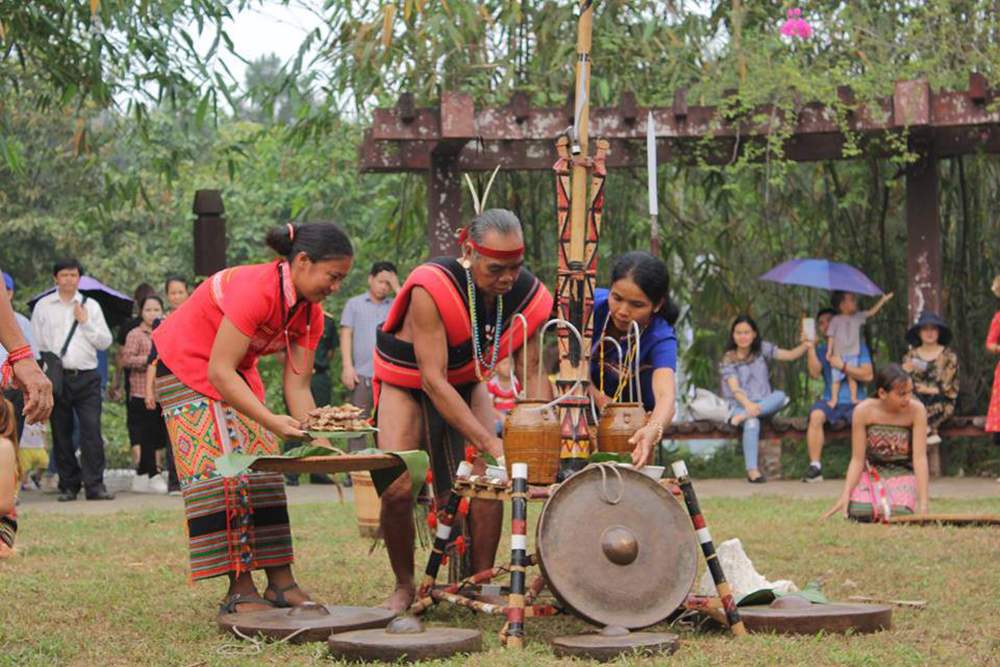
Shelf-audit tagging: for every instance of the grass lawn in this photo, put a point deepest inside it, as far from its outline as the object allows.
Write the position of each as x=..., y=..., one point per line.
x=112, y=590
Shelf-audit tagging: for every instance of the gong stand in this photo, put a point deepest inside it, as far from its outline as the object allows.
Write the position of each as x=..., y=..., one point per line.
x=522, y=600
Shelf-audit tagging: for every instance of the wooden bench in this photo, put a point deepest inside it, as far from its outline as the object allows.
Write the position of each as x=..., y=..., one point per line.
x=795, y=427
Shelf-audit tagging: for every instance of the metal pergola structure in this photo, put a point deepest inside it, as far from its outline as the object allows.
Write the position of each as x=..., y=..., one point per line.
x=455, y=137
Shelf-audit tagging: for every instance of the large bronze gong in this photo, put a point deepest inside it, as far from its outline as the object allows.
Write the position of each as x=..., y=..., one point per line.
x=795, y=616
x=604, y=648
x=405, y=639
x=616, y=548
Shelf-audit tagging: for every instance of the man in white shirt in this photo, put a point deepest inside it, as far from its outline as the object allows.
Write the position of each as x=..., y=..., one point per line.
x=52, y=321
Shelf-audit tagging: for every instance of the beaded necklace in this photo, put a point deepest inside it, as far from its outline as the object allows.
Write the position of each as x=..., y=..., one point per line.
x=474, y=320
x=625, y=365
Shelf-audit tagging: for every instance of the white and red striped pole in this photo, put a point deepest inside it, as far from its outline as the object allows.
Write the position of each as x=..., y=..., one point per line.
x=443, y=533
x=722, y=586
x=518, y=554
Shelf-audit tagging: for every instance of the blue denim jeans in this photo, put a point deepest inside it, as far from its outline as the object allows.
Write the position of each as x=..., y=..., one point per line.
x=769, y=405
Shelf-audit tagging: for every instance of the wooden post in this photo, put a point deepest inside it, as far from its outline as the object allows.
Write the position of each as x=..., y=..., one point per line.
x=444, y=206
x=577, y=256
x=209, y=232
x=923, y=238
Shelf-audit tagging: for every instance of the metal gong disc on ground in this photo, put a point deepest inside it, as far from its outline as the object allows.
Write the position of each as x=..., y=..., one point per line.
x=805, y=618
x=404, y=639
x=602, y=647
x=309, y=623
x=616, y=548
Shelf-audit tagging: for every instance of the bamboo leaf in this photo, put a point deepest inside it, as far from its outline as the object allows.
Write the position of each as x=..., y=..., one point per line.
x=389, y=13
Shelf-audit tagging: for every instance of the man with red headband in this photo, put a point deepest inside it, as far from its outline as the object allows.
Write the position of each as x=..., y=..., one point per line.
x=450, y=323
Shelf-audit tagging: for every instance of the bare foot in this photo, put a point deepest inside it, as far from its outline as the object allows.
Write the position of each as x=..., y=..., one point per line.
x=291, y=596
x=736, y=420
x=400, y=600
x=251, y=602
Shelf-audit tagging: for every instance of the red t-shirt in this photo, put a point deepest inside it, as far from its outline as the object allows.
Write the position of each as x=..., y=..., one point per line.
x=251, y=298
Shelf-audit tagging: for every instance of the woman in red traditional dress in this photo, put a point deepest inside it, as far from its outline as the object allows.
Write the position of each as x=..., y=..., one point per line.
x=213, y=402
x=993, y=347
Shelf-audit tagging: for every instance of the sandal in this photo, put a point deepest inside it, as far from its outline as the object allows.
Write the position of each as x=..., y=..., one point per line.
x=279, y=595
x=229, y=605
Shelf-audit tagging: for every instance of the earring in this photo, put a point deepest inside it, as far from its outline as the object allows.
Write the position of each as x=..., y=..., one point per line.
x=466, y=264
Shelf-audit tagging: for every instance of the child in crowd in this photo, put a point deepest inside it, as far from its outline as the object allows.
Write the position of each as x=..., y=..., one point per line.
x=504, y=388
x=9, y=478
x=33, y=456
x=844, y=339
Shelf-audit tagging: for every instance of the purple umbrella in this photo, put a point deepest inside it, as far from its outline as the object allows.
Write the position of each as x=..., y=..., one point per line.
x=116, y=306
x=822, y=274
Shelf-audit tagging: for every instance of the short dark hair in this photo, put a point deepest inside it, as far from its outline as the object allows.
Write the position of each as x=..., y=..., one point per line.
x=154, y=297
x=837, y=298
x=174, y=278
x=889, y=376
x=825, y=311
x=142, y=291
x=379, y=267
x=67, y=263
x=318, y=240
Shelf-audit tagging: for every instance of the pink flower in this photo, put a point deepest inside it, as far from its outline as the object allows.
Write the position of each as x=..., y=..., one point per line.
x=796, y=26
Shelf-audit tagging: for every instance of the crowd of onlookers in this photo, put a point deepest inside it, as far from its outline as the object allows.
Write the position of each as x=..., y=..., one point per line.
x=844, y=363
x=70, y=337
x=68, y=330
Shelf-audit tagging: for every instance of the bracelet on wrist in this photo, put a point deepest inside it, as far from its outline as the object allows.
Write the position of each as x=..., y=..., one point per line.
x=658, y=427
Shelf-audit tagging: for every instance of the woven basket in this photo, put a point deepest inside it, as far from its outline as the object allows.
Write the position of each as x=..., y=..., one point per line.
x=619, y=422
x=532, y=436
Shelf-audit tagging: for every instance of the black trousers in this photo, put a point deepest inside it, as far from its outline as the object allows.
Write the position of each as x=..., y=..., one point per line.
x=16, y=398
x=82, y=396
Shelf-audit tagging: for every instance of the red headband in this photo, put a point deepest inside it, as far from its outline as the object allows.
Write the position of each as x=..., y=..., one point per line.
x=463, y=236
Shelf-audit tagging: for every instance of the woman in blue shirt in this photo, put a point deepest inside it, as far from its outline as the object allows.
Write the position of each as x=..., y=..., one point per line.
x=639, y=292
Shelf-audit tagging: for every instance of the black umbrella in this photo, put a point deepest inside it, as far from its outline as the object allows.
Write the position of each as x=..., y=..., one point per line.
x=116, y=306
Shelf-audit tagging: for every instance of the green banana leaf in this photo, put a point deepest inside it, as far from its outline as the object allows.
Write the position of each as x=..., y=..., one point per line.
x=811, y=592
x=604, y=457
x=415, y=462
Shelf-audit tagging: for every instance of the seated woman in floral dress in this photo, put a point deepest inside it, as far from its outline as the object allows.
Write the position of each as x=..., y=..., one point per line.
x=934, y=369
